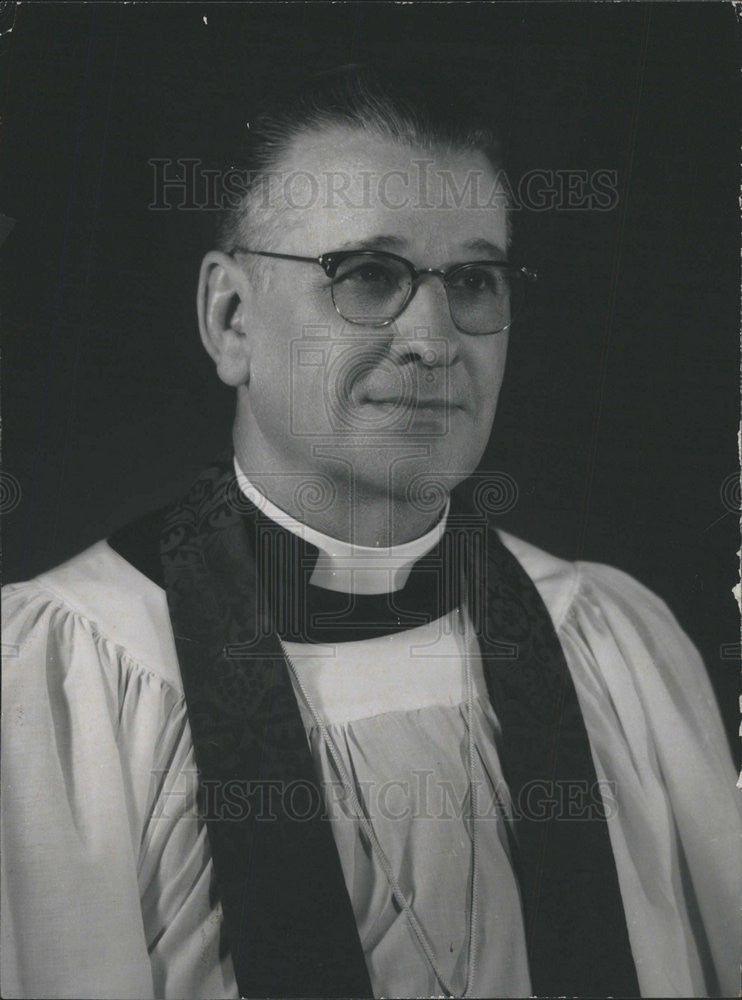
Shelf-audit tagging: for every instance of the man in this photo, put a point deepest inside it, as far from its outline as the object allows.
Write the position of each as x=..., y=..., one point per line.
x=317, y=728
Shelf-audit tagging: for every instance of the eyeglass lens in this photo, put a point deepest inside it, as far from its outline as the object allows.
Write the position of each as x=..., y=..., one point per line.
x=374, y=290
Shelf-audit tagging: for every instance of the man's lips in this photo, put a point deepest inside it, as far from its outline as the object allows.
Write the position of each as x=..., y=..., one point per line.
x=414, y=402
x=429, y=392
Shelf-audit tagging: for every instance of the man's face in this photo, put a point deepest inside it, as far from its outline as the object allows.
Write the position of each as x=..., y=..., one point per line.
x=385, y=405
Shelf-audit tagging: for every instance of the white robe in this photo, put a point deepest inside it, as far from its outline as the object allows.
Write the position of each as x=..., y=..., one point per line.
x=106, y=870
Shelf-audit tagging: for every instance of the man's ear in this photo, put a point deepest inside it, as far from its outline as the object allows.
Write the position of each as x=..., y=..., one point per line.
x=224, y=291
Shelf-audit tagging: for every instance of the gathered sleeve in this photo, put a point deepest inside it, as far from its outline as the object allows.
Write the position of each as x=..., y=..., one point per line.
x=105, y=867
x=674, y=818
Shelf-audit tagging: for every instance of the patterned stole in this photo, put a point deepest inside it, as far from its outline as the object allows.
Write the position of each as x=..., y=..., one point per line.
x=576, y=931
x=289, y=919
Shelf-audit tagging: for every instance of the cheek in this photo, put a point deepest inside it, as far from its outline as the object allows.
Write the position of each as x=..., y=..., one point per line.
x=290, y=391
x=274, y=336
x=295, y=334
x=269, y=374
x=487, y=366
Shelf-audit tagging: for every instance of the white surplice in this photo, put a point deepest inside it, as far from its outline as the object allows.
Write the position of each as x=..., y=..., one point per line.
x=107, y=887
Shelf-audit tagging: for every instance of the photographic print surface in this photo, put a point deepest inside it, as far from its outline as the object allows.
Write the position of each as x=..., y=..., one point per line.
x=370, y=488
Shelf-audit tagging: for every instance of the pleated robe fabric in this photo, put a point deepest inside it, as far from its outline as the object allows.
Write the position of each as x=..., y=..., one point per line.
x=107, y=882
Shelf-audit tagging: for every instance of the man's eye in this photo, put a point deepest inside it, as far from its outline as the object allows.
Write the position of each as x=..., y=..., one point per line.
x=478, y=280
x=369, y=274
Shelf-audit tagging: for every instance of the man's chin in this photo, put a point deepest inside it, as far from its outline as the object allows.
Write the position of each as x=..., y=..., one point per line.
x=420, y=475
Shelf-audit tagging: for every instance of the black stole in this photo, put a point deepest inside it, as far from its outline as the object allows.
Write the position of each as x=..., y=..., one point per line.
x=288, y=916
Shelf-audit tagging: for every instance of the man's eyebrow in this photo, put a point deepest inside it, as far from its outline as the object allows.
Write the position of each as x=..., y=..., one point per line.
x=479, y=245
x=380, y=242
x=485, y=247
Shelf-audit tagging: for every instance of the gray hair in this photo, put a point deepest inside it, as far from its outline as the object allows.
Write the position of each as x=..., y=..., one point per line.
x=408, y=111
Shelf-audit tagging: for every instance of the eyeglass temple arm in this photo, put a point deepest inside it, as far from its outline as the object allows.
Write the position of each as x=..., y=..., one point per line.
x=280, y=256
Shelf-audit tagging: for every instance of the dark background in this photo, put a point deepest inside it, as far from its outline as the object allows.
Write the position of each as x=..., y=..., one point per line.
x=618, y=419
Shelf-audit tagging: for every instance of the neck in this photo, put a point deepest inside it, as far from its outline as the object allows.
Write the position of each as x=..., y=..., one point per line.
x=335, y=504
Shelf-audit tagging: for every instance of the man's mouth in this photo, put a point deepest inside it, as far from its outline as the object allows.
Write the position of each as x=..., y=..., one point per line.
x=413, y=402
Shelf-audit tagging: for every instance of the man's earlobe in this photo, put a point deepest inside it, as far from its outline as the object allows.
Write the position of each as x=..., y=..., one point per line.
x=223, y=296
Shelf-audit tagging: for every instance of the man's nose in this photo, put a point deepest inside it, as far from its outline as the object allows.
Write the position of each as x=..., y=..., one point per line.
x=425, y=331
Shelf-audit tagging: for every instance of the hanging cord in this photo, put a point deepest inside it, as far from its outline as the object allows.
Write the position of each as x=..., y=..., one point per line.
x=367, y=826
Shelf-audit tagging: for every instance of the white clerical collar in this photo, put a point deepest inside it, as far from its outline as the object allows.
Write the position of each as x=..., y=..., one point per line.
x=342, y=566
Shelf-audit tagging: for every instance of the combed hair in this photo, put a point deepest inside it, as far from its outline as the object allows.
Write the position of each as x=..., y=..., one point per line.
x=414, y=111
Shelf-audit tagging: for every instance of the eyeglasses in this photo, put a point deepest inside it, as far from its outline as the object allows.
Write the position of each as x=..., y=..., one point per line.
x=373, y=287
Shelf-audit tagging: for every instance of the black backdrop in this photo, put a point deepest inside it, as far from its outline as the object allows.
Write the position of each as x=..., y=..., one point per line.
x=618, y=420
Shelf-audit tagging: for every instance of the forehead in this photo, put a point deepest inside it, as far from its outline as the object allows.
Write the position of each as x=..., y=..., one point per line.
x=341, y=187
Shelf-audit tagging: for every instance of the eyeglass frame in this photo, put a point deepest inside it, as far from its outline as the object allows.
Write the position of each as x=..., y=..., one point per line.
x=330, y=262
